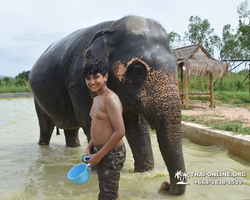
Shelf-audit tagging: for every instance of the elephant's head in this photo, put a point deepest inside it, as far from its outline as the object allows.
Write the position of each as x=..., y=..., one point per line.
x=143, y=72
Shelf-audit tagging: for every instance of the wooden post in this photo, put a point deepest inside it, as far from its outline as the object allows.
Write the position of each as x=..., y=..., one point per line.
x=182, y=92
x=211, y=91
x=187, y=87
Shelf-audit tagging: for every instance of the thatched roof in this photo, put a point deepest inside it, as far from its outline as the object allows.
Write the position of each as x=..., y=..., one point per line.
x=199, y=62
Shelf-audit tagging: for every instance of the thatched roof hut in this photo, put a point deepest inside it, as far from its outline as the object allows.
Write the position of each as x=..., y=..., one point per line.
x=199, y=62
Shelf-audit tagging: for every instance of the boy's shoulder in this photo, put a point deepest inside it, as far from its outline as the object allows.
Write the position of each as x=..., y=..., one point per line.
x=111, y=97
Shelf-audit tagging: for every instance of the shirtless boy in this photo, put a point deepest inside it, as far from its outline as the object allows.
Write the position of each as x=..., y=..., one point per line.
x=107, y=131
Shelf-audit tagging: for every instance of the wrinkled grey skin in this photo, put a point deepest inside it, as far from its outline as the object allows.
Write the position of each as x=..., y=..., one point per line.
x=143, y=73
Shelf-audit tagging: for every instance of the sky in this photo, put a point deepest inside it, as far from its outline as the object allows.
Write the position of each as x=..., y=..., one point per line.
x=28, y=27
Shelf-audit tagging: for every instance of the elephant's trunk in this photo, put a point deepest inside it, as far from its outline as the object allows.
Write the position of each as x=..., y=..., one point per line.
x=170, y=144
x=162, y=111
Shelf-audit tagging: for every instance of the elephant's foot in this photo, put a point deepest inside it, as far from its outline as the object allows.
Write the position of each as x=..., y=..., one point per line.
x=72, y=139
x=165, y=186
x=45, y=138
x=72, y=145
x=168, y=189
x=143, y=168
x=43, y=143
x=72, y=142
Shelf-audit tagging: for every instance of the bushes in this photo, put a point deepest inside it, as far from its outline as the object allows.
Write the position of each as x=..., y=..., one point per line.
x=10, y=85
x=232, y=97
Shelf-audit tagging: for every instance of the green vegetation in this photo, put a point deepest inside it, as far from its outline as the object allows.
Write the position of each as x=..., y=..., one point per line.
x=233, y=82
x=232, y=97
x=200, y=32
x=13, y=85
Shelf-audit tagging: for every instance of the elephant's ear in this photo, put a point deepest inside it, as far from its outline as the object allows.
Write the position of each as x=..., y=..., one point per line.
x=96, y=52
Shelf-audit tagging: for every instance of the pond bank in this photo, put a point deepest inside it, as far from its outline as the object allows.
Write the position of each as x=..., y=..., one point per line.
x=10, y=95
x=236, y=144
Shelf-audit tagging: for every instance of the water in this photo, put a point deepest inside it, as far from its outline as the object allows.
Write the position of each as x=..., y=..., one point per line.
x=30, y=171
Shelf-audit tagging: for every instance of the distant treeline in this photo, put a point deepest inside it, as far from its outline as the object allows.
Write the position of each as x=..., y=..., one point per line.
x=18, y=84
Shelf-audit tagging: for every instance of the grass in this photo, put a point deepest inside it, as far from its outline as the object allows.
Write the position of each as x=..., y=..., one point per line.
x=232, y=97
x=15, y=89
x=219, y=123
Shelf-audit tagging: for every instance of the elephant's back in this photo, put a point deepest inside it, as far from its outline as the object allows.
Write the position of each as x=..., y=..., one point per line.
x=59, y=52
x=62, y=59
x=58, y=69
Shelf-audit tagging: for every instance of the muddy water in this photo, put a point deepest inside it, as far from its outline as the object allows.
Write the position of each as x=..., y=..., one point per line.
x=29, y=171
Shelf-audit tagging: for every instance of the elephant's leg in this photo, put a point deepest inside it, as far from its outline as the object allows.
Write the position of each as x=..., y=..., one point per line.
x=86, y=129
x=82, y=103
x=138, y=137
x=71, y=138
x=46, y=126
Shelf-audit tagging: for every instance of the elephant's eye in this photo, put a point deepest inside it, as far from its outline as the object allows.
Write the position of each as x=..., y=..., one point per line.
x=137, y=72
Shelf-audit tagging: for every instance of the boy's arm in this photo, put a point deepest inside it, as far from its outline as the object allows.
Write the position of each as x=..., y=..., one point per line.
x=114, y=111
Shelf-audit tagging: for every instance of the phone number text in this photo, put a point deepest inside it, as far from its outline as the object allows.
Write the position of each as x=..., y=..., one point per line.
x=218, y=182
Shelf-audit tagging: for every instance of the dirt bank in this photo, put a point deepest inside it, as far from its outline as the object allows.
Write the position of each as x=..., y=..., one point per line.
x=225, y=111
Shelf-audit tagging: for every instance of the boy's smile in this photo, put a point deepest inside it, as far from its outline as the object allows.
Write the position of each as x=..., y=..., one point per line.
x=96, y=82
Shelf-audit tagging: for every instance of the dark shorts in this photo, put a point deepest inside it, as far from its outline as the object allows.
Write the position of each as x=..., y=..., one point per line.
x=108, y=171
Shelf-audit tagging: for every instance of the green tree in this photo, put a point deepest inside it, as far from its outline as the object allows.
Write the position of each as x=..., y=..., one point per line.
x=231, y=45
x=200, y=32
x=21, y=82
x=6, y=80
x=174, y=40
x=244, y=25
x=244, y=14
x=24, y=75
x=236, y=45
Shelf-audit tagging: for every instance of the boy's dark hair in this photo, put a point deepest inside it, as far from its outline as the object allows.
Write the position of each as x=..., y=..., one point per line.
x=90, y=69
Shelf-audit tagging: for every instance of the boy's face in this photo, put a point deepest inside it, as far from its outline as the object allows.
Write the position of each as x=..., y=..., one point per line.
x=95, y=82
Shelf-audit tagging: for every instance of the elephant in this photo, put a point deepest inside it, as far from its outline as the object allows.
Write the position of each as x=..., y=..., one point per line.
x=142, y=72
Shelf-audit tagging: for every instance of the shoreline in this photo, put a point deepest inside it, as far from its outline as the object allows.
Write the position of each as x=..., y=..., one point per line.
x=11, y=95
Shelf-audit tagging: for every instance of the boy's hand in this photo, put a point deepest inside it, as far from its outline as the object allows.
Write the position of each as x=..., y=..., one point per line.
x=94, y=159
x=87, y=152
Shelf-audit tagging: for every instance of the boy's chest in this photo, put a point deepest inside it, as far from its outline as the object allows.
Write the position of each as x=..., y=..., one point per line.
x=98, y=110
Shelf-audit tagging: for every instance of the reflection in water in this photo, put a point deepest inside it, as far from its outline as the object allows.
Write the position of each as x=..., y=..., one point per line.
x=30, y=171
